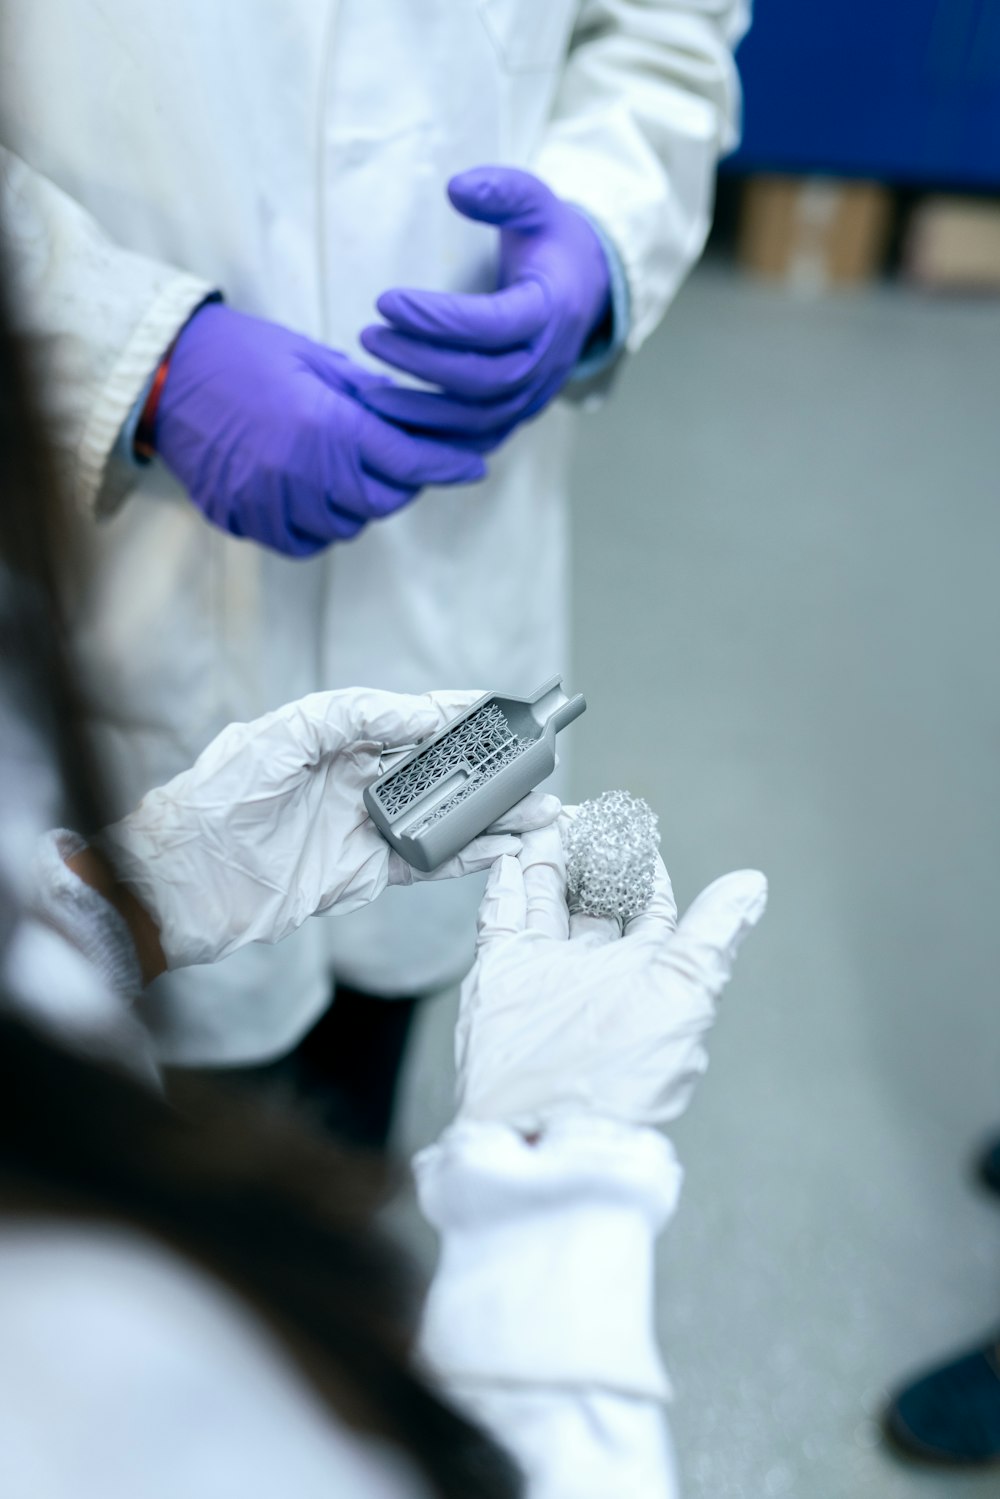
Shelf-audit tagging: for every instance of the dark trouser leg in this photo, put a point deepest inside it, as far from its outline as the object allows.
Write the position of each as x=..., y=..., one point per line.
x=344, y=1073
x=350, y=1062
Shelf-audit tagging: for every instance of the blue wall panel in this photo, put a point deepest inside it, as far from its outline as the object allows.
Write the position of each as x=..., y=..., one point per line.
x=902, y=90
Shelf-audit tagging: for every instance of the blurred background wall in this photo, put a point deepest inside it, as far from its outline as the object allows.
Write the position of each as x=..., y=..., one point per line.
x=871, y=140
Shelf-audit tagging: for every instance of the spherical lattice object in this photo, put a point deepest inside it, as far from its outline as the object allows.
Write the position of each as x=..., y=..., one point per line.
x=611, y=847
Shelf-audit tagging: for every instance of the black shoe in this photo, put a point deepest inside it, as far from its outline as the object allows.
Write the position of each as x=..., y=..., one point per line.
x=988, y=1166
x=952, y=1414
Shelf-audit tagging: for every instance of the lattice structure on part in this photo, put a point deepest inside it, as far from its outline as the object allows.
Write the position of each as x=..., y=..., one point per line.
x=480, y=745
x=611, y=847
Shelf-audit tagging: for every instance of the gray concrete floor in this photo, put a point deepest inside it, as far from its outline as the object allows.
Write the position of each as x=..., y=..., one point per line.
x=787, y=616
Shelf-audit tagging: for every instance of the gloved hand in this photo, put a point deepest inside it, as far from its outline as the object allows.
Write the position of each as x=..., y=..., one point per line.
x=561, y=1016
x=499, y=357
x=266, y=431
x=268, y=827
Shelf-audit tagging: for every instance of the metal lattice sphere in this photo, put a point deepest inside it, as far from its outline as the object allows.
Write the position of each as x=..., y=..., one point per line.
x=611, y=847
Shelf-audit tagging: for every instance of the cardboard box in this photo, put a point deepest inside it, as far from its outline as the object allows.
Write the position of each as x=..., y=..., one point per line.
x=814, y=232
x=953, y=244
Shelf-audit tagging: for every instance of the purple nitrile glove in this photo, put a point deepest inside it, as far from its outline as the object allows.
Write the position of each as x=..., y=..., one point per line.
x=267, y=432
x=497, y=357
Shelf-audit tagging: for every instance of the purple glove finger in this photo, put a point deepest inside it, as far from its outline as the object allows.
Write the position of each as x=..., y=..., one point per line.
x=478, y=426
x=404, y=459
x=283, y=537
x=458, y=371
x=321, y=524
x=504, y=196
x=426, y=411
x=482, y=443
x=267, y=432
x=542, y=394
x=383, y=499
x=486, y=442
x=349, y=493
x=302, y=527
x=480, y=350
x=490, y=321
x=337, y=371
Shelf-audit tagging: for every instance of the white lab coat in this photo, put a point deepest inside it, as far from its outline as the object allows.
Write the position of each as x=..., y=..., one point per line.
x=294, y=153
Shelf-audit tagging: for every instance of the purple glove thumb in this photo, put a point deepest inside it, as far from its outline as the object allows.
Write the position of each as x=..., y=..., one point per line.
x=503, y=196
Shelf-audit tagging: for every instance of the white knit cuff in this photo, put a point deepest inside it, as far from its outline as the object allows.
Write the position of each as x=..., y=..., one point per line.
x=546, y=1273
x=102, y=477
x=81, y=915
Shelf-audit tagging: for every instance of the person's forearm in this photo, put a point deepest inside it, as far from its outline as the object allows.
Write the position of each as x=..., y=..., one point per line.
x=89, y=866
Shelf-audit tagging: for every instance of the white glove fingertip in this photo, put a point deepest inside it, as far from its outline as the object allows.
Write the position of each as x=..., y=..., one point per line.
x=479, y=855
x=567, y=815
x=543, y=864
x=503, y=909
x=448, y=703
x=363, y=714
x=598, y=929
x=398, y=872
x=713, y=929
x=544, y=846
x=660, y=916
x=736, y=901
x=484, y=851
x=536, y=810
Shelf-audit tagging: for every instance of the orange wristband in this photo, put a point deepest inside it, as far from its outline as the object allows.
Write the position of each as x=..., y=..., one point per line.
x=144, y=444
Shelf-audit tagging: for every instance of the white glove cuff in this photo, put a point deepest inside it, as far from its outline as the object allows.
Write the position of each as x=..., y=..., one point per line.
x=155, y=862
x=71, y=967
x=546, y=1271
x=81, y=915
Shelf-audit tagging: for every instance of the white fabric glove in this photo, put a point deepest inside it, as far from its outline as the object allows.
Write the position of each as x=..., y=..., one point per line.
x=268, y=827
x=562, y=1016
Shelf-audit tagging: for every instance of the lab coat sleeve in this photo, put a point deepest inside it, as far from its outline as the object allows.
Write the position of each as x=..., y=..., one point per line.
x=100, y=318
x=539, y=1320
x=648, y=101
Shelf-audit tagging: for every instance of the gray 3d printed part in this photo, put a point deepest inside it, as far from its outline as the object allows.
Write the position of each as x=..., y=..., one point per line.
x=611, y=847
x=451, y=787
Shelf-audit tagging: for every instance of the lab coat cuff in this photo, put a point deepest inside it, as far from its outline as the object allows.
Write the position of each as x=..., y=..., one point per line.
x=590, y=375
x=546, y=1273
x=564, y=167
x=124, y=449
x=104, y=475
x=658, y=234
